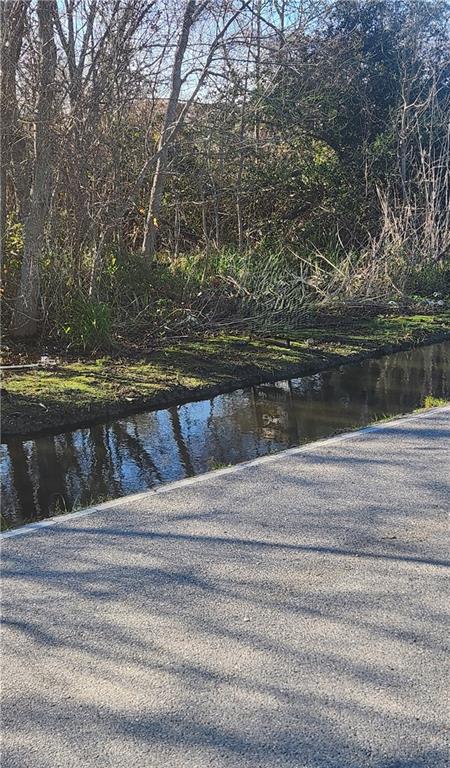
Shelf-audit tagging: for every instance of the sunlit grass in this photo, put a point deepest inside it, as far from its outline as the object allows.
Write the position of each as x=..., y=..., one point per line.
x=434, y=402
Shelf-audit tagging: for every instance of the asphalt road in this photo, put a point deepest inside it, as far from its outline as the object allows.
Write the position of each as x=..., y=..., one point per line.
x=291, y=613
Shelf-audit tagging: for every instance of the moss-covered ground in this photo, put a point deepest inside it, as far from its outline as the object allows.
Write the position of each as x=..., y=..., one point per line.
x=82, y=390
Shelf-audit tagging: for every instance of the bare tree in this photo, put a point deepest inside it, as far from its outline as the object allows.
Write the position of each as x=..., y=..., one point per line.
x=172, y=124
x=154, y=207
x=12, y=15
x=26, y=307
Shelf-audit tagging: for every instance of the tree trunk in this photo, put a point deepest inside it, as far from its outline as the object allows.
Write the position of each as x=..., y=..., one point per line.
x=242, y=127
x=12, y=16
x=159, y=179
x=26, y=306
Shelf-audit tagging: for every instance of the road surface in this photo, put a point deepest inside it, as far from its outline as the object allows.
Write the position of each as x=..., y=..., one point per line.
x=288, y=613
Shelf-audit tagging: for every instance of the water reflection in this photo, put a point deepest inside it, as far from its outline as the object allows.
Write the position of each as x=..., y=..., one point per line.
x=52, y=474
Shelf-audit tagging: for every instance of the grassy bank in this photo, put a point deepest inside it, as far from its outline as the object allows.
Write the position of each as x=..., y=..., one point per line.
x=80, y=391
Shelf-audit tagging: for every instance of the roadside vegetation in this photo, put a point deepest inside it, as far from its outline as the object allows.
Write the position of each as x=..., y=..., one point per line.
x=433, y=402
x=175, y=168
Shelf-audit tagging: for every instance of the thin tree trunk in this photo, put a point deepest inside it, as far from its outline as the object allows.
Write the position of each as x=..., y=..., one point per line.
x=26, y=307
x=172, y=123
x=258, y=73
x=242, y=126
x=12, y=18
x=154, y=207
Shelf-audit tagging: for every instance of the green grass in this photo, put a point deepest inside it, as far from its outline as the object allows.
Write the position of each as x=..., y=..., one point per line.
x=214, y=465
x=434, y=402
x=89, y=387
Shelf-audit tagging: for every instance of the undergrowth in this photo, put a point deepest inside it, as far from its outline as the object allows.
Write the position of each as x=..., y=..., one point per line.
x=265, y=289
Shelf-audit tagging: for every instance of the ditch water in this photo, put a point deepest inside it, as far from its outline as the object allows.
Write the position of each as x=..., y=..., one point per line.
x=53, y=474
